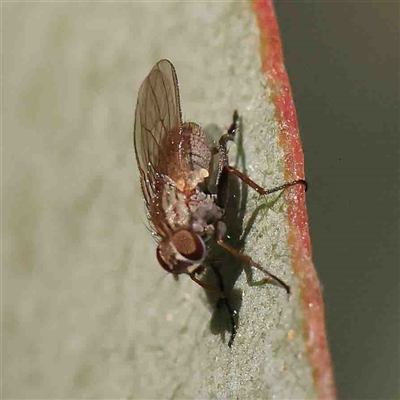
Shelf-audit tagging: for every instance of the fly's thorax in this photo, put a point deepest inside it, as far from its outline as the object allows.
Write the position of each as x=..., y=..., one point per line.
x=180, y=252
x=198, y=148
x=184, y=203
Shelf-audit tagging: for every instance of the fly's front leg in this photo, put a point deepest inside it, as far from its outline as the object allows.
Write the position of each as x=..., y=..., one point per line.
x=222, y=296
x=198, y=270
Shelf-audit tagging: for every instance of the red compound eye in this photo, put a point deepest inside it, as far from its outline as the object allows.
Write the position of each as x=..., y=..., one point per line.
x=189, y=245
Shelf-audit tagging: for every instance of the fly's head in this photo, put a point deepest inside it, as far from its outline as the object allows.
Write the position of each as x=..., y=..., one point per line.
x=181, y=252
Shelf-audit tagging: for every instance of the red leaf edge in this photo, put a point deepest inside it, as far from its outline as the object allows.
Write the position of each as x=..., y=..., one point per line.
x=299, y=238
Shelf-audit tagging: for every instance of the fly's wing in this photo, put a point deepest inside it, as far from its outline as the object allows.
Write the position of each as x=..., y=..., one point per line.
x=157, y=136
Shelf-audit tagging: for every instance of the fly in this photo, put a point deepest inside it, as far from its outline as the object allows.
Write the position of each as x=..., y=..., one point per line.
x=175, y=165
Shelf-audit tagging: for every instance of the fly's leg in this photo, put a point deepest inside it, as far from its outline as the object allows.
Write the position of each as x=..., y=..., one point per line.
x=224, y=176
x=220, y=235
x=225, y=138
x=259, y=189
x=223, y=171
x=204, y=285
x=232, y=313
x=221, y=291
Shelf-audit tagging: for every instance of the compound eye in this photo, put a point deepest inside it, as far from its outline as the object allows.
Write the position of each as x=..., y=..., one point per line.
x=162, y=262
x=189, y=245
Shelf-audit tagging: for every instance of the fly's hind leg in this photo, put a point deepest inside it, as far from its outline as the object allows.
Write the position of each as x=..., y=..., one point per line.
x=225, y=138
x=223, y=166
x=261, y=190
x=224, y=169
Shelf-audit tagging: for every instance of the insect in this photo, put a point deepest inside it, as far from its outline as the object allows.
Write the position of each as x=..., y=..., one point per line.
x=175, y=165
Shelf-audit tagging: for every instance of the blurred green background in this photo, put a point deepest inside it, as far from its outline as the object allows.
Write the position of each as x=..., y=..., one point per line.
x=343, y=63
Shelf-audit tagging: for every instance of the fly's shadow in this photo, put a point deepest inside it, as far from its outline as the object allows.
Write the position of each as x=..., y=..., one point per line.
x=225, y=268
